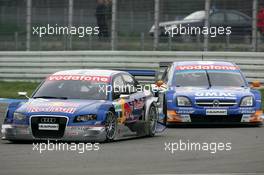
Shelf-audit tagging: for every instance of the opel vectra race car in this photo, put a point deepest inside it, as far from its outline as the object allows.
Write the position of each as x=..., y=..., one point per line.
x=83, y=105
x=206, y=92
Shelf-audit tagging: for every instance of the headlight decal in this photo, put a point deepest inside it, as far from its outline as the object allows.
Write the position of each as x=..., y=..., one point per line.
x=85, y=118
x=246, y=101
x=183, y=101
x=19, y=116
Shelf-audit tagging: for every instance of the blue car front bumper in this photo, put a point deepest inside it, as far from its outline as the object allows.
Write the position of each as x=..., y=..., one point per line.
x=221, y=116
x=71, y=133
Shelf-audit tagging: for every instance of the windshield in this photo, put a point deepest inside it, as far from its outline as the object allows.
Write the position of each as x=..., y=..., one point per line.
x=226, y=79
x=199, y=15
x=208, y=78
x=186, y=78
x=72, y=89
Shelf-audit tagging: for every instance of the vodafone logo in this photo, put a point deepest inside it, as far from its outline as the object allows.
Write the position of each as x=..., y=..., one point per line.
x=52, y=109
x=206, y=67
x=78, y=78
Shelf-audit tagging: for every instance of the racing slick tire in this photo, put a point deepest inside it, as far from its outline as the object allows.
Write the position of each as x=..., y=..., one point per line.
x=152, y=121
x=110, y=126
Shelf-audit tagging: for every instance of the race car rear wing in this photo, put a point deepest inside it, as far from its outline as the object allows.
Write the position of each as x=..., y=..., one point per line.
x=143, y=76
x=165, y=64
x=142, y=72
x=149, y=75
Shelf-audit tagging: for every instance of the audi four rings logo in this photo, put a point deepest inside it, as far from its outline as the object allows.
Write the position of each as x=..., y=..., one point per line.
x=48, y=120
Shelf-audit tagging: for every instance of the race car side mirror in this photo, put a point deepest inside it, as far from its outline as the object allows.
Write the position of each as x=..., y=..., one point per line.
x=124, y=96
x=23, y=94
x=159, y=83
x=255, y=84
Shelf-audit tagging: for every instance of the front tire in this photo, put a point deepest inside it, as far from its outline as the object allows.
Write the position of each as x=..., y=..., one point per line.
x=110, y=126
x=152, y=120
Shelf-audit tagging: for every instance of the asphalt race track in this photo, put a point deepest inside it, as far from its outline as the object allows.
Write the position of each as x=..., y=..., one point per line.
x=145, y=155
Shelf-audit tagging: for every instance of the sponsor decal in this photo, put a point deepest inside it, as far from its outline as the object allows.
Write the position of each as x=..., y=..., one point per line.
x=69, y=110
x=139, y=104
x=125, y=112
x=64, y=107
x=206, y=67
x=46, y=126
x=185, y=118
x=45, y=103
x=247, y=110
x=185, y=111
x=79, y=78
x=245, y=118
x=216, y=112
x=118, y=107
x=125, y=109
x=71, y=133
x=215, y=94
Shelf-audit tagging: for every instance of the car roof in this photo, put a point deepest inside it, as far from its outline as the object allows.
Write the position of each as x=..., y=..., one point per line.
x=90, y=72
x=218, y=63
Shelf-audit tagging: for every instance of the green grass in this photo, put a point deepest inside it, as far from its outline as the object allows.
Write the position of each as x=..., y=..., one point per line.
x=10, y=89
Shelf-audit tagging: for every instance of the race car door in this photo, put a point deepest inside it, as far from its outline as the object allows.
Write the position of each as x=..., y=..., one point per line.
x=139, y=101
x=138, y=98
x=123, y=106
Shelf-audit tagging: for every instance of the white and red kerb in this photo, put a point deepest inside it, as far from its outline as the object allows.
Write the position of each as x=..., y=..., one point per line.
x=79, y=78
x=206, y=67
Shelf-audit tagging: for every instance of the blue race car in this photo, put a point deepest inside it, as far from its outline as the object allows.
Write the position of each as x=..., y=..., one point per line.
x=208, y=92
x=83, y=105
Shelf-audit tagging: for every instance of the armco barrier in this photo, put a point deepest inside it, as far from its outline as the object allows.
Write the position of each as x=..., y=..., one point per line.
x=34, y=66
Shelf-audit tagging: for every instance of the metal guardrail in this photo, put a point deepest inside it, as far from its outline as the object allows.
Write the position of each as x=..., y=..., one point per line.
x=34, y=66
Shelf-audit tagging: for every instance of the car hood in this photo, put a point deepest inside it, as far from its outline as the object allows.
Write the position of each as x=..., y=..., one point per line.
x=60, y=107
x=213, y=92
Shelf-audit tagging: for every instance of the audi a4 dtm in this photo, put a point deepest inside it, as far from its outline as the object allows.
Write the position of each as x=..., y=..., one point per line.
x=77, y=105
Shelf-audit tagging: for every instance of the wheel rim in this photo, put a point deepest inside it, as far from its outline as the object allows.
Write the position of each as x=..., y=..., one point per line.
x=152, y=119
x=110, y=126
